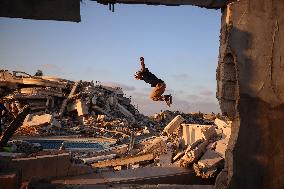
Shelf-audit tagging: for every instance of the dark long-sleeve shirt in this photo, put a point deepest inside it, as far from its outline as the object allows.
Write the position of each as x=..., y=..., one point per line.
x=150, y=78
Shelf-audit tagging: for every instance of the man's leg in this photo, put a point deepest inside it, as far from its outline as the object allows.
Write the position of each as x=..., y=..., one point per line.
x=157, y=92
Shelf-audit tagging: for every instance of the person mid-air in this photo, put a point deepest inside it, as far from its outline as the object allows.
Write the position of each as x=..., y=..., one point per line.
x=158, y=84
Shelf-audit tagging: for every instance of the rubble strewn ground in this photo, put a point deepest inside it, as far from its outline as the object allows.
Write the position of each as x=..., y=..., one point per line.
x=81, y=109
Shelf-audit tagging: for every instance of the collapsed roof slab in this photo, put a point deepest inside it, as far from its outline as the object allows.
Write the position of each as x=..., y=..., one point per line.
x=211, y=4
x=61, y=10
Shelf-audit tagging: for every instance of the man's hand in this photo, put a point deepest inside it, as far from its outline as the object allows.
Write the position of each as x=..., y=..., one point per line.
x=142, y=63
x=138, y=75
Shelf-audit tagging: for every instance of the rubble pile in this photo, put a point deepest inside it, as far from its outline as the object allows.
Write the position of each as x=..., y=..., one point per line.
x=201, y=147
x=85, y=109
x=64, y=107
x=206, y=147
x=164, y=117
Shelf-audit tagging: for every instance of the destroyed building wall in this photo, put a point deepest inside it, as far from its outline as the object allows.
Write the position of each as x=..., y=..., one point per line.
x=251, y=91
x=64, y=10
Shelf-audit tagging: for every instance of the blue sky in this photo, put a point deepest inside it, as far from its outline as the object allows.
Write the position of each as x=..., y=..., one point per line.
x=180, y=45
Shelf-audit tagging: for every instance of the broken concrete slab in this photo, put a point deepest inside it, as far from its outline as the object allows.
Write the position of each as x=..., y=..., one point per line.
x=209, y=159
x=208, y=133
x=98, y=158
x=124, y=161
x=173, y=125
x=124, y=111
x=221, y=123
x=209, y=164
x=192, y=156
x=221, y=146
x=194, y=132
x=81, y=107
x=156, y=146
x=38, y=120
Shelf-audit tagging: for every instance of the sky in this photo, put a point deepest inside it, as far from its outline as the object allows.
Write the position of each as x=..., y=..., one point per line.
x=180, y=45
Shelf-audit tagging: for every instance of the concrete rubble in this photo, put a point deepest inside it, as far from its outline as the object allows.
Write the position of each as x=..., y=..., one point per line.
x=67, y=109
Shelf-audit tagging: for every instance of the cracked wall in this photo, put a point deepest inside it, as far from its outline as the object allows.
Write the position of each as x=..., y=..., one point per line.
x=250, y=89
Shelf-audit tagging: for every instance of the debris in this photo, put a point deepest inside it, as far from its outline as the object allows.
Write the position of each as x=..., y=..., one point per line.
x=194, y=132
x=48, y=106
x=14, y=125
x=157, y=146
x=208, y=165
x=178, y=156
x=208, y=133
x=192, y=155
x=220, y=123
x=98, y=158
x=124, y=161
x=40, y=120
x=173, y=125
x=131, y=142
x=221, y=146
x=64, y=103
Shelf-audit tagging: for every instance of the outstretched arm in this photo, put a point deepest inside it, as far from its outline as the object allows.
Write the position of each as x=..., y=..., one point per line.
x=142, y=64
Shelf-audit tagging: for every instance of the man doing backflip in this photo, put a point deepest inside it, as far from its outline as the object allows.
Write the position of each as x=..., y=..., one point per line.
x=158, y=84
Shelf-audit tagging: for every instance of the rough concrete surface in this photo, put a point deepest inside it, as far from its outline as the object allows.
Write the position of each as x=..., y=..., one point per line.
x=64, y=10
x=251, y=52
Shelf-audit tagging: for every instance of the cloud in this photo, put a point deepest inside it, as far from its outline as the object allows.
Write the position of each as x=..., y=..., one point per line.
x=149, y=107
x=140, y=94
x=182, y=76
x=205, y=107
x=193, y=97
x=123, y=86
x=206, y=93
x=98, y=73
x=180, y=92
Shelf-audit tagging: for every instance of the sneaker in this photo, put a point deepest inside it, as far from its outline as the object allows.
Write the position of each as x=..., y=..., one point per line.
x=168, y=99
x=171, y=99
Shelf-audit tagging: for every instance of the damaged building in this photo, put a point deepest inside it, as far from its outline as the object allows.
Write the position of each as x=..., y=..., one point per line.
x=70, y=117
x=249, y=87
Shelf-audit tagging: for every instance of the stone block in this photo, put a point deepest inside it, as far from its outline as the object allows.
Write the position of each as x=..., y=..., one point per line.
x=174, y=125
x=221, y=124
x=210, y=159
x=37, y=120
x=192, y=132
x=81, y=107
x=221, y=146
x=209, y=132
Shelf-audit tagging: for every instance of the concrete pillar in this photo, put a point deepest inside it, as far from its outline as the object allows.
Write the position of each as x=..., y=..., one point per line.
x=251, y=92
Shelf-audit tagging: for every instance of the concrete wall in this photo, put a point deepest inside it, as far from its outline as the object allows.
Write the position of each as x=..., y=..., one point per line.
x=251, y=92
x=63, y=10
x=50, y=166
